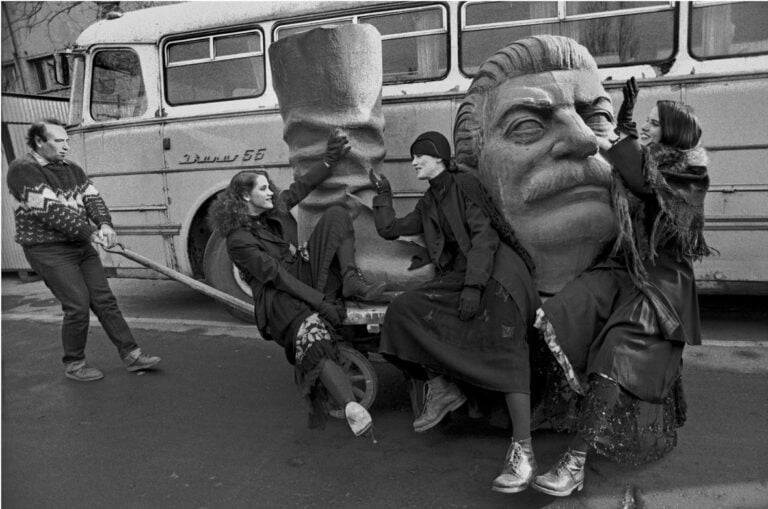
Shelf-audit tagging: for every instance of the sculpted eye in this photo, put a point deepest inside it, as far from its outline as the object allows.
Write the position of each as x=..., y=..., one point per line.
x=525, y=130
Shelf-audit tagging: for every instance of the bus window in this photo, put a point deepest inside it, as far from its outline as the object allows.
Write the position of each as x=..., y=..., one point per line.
x=616, y=33
x=728, y=29
x=414, y=42
x=214, y=68
x=284, y=31
x=117, y=86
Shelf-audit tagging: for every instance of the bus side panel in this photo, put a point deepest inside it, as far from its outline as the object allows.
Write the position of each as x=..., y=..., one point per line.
x=126, y=165
x=733, y=114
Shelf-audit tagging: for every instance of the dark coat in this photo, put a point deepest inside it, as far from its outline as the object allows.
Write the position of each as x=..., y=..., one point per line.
x=486, y=256
x=265, y=252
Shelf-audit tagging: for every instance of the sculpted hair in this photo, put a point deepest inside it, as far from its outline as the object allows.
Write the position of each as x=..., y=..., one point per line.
x=532, y=55
x=679, y=126
x=230, y=210
x=38, y=130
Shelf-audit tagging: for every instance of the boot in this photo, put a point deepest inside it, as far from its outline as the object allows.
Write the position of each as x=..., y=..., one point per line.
x=519, y=468
x=355, y=286
x=443, y=396
x=566, y=476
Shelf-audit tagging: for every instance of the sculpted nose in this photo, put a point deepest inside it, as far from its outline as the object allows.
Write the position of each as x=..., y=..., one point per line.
x=577, y=140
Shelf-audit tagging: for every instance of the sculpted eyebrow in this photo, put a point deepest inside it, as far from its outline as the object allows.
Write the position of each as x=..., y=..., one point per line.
x=544, y=109
x=598, y=103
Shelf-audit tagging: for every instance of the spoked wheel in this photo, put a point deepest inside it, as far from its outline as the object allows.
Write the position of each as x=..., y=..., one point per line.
x=362, y=375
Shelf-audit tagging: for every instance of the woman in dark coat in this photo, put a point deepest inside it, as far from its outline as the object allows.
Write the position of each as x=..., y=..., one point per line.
x=297, y=290
x=619, y=329
x=470, y=322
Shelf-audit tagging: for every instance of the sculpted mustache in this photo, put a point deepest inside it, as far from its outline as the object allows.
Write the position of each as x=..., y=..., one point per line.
x=565, y=176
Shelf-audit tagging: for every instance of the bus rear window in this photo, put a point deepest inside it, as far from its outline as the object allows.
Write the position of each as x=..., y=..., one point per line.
x=729, y=29
x=414, y=42
x=117, y=86
x=616, y=33
x=215, y=68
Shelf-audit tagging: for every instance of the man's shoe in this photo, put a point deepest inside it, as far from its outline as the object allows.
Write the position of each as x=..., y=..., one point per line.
x=443, y=396
x=137, y=361
x=82, y=372
x=519, y=468
x=355, y=286
x=566, y=476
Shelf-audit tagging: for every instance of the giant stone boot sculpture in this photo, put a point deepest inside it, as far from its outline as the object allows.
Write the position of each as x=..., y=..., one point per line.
x=331, y=78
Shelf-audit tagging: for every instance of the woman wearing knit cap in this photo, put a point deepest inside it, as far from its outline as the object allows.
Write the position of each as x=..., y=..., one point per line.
x=469, y=323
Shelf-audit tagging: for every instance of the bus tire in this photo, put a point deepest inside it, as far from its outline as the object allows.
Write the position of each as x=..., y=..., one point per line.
x=220, y=273
x=365, y=383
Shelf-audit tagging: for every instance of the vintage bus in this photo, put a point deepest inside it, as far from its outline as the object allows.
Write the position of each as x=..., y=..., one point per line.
x=168, y=103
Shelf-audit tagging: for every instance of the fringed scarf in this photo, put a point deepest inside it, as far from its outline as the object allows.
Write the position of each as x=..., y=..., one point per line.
x=679, y=181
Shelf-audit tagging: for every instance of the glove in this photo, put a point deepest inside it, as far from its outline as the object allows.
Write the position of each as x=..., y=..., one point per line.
x=469, y=302
x=380, y=182
x=333, y=314
x=624, y=123
x=337, y=147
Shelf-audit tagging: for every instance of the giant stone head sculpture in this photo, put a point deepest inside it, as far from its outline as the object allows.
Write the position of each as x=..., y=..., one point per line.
x=529, y=126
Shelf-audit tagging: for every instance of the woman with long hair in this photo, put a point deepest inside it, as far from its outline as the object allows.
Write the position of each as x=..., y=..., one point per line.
x=298, y=290
x=619, y=329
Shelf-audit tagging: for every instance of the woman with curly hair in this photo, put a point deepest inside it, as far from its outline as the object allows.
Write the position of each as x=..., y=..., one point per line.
x=619, y=329
x=297, y=291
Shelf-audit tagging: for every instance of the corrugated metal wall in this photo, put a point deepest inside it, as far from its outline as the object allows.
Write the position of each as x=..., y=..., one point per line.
x=18, y=111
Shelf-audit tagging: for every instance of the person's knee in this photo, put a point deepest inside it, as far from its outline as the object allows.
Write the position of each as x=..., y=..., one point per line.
x=76, y=308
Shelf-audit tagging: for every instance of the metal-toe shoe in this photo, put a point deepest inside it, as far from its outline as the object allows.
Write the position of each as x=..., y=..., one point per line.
x=566, y=476
x=519, y=468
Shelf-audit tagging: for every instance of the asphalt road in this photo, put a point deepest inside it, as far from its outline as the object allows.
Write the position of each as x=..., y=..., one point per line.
x=220, y=425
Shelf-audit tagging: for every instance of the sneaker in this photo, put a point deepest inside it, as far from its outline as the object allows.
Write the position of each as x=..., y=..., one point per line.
x=137, y=361
x=443, y=396
x=82, y=372
x=356, y=286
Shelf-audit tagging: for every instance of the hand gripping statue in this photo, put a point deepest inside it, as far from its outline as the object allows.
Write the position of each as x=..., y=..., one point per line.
x=529, y=127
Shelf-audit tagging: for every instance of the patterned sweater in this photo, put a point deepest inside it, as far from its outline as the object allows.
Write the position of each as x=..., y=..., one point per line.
x=53, y=202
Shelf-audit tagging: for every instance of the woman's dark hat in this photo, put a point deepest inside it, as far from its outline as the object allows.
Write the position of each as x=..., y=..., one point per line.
x=432, y=144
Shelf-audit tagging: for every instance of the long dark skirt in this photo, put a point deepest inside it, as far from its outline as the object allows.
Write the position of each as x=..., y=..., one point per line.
x=633, y=400
x=422, y=327
x=313, y=340
x=612, y=421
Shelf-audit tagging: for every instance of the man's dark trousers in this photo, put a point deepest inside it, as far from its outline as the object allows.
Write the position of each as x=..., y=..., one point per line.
x=74, y=274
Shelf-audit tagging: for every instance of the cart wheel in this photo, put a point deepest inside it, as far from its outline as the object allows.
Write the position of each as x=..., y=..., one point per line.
x=362, y=375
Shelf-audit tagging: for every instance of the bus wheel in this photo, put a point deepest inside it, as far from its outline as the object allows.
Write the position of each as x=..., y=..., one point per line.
x=222, y=274
x=360, y=371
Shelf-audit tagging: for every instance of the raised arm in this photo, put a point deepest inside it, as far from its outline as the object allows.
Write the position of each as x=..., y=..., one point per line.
x=387, y=224
x=336, y=148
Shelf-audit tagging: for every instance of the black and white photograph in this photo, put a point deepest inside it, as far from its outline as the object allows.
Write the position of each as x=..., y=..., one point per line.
x=384, y=254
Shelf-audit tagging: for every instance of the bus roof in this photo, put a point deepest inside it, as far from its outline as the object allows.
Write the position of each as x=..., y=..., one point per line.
x=149, y=25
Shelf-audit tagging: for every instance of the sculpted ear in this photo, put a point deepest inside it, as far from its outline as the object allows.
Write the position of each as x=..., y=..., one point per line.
x=468, y=137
